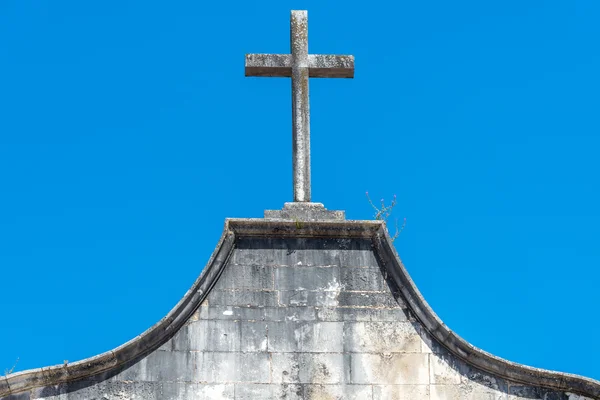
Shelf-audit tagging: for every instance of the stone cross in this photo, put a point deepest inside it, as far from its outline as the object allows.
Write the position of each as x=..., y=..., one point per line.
x=300, y=66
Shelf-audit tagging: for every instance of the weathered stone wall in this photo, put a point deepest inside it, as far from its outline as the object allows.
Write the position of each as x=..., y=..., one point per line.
x=299, y=319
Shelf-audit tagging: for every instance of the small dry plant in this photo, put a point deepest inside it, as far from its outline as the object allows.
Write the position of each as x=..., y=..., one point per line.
x=10, y=371
x=383, y=213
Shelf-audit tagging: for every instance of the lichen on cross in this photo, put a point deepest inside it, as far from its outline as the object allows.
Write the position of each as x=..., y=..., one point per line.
x=299, y=65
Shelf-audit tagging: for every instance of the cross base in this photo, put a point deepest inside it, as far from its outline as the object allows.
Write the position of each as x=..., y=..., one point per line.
x=304, y=211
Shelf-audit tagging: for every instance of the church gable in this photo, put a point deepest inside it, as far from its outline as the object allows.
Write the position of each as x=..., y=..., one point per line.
x=305, y=313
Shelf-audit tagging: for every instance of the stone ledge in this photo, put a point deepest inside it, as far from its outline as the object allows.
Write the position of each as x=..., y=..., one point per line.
x=300, y=211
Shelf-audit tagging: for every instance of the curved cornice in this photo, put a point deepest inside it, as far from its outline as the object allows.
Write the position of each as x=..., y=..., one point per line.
x=392, y=265
x=153, y=338
x=464, y=350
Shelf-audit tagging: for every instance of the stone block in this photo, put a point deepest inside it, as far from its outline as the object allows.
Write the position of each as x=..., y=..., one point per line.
x=200, y=391
x=303, y=298
x=573, y=396
x=443, y=370
x=330, y=313
x=297, y=298
x=517, y=392
x=109, y=390
x=381, y=337
x=245, y=256
x=60, y=391
x=427, y=342
x=362, y=299
x=314, y=368
x=221, y=336
x=243, y=298
x=309, y=337
x=346, y=392
x=390, y=368
x=290, y=314
x=361, y=314
x=232, y=367
x=254, y=277
x=24, y=396
x=161, y=366
x=479, y=380
x=208, y=335
x=284, y=252
x=363, y=279
x=361, y=258
x=337, y=298
x=464, y=392
x=307, y=278
x=400, y=392
x=308, y=258
x=268, y=392
x=253, y=336
x=375, y=315
x=214, y=312
x=304, y=252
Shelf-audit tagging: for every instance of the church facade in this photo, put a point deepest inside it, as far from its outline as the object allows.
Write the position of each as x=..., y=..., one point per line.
x=301, y=304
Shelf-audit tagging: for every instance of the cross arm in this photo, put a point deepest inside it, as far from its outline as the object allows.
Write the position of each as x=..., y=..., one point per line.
x=319, y=65
x=269, y=65
x=330, y=66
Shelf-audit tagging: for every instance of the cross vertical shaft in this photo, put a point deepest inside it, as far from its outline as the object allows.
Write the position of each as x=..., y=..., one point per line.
x=299, y=65
x=300, y=106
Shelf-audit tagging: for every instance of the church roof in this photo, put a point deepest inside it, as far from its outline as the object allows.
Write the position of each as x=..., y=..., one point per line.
x=238, y=230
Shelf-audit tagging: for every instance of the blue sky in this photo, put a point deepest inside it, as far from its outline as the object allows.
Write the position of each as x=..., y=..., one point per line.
x=128, y=133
